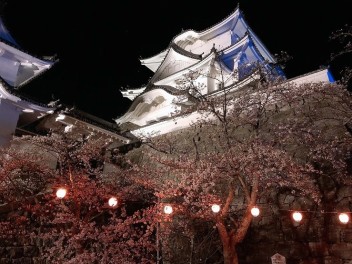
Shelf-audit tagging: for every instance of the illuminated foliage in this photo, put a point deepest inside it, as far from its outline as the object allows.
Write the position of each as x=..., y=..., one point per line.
x=277, y=136
x=80, y=227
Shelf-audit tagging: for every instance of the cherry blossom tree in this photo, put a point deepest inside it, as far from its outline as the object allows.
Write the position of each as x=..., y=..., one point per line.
x=80, y=227
x=344, y=37
x=268, y=136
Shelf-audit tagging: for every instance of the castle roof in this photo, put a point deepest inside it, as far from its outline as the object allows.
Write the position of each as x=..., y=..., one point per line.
x=176, y=64
x=219, y=57
x=232, y=38
x=178, y=74
x=18, y=67
x=175, y=60
x=223, y=34
x=153, y=62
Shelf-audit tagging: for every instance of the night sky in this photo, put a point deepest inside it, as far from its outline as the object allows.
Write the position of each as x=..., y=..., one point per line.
x=99, y=43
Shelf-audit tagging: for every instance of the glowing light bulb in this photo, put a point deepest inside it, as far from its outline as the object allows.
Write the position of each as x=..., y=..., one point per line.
x=255, y=211
x=297, y=216
x=168, y=209
x=61, y=193
x=113, y=202
x=215, y=208
x=344, y=218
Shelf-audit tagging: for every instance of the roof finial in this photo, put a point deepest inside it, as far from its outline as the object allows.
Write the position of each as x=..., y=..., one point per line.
x=238, y=5
x=213, y=49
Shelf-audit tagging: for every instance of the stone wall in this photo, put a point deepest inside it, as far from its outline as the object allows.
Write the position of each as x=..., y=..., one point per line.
x=19, y=251
x=319, y=238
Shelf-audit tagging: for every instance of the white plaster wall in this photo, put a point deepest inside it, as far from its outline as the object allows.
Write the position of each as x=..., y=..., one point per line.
x=152, y=106
x=316, y=77
x=222, y=41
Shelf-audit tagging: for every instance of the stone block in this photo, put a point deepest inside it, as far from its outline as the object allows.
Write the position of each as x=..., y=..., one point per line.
x=30, y=251
x=22, y=261
x=38, y=260
x=342, y=250
x=2, y=251
x=346, y=236
x=318, y=249
x=334, y=235
x=333, y=260
x=299, y=251
x=289, y=199
x=14, y=252
x=344, y=192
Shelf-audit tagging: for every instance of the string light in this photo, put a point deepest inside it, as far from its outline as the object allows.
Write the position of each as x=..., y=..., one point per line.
x=61, y=193
x=344, y=218
x=255, y=211
x=113, y=202
x=168, y=209
x=215, y=208
x=297, y=216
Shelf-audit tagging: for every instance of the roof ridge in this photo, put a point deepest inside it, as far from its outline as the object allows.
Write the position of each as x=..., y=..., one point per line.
x=15, y=45
x=185, y=52
x=36, y=76
x=24, y=51
x=177, y=49
x=155, y=54
x=183, y=31
x=93, y=120
x=22, y=96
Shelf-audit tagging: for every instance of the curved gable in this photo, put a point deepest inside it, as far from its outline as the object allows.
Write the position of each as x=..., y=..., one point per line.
x=173, y=62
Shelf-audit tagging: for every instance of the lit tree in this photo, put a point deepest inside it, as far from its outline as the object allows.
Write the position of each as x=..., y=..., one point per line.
x=269, y=135
x=344, y=37
x=81, y=226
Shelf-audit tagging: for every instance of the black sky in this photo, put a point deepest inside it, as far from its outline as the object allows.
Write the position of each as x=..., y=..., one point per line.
x=99, y=43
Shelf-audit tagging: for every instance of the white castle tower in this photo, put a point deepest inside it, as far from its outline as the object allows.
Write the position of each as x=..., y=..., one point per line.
x=228, y=51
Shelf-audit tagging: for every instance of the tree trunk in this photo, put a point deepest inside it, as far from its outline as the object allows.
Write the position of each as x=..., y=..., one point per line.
x=230, y=238
x=230, y=254
x=228, y=244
